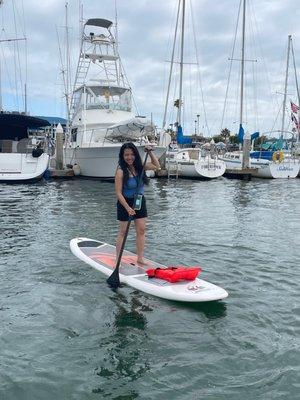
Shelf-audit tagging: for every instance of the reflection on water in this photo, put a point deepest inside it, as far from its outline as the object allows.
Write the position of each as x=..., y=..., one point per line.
x=242, y=197
x=211, y=310
x=125, y=359
x=65, y=334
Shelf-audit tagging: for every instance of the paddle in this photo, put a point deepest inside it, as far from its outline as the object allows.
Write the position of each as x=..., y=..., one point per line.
x=114, y=279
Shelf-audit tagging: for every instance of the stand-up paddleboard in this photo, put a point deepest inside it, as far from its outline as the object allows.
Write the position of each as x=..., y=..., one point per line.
x=102, y=256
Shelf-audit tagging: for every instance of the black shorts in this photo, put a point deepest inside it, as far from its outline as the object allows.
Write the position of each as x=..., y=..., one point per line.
x=122, y=214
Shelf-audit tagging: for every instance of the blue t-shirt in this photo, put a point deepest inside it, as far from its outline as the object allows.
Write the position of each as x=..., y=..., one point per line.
x=130, y=187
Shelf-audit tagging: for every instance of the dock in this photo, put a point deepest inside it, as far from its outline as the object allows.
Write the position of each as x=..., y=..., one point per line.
x=245, y=173
x=61, y=173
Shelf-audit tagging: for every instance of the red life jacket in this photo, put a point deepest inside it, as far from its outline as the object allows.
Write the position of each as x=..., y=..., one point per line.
x=174, y=273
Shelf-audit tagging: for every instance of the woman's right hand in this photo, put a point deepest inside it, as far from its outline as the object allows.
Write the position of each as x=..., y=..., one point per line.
x=130, y=211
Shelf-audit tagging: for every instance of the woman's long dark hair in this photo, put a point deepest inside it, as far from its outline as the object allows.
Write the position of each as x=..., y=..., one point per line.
x=138, y=165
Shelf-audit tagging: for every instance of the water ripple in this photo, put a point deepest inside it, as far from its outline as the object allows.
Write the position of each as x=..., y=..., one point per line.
x=64, y=334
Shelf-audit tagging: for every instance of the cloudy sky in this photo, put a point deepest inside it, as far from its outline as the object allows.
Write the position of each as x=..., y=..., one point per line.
x=146, y=30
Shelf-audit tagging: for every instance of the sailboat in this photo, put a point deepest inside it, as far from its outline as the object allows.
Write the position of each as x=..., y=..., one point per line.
x=275, y=165
x=23, y=156
x=101, y=114
x=188, y=162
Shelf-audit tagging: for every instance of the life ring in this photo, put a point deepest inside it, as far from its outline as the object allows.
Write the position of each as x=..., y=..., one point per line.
x=278, y=156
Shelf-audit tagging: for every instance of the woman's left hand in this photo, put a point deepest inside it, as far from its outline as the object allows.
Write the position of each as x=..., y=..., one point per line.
x=148, y=148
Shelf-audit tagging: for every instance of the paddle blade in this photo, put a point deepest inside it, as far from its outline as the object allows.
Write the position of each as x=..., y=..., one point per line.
x=114, y=279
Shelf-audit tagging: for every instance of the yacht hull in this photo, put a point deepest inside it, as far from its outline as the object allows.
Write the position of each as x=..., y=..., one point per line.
x=17, y=167
x=268, y=169
x=199, y=169
x=188, y=163
x=101, y=161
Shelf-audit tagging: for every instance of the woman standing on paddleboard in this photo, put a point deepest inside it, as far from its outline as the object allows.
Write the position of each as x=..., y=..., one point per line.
x=127, y=187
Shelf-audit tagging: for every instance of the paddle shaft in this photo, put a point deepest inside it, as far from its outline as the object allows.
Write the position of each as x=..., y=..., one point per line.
x=114, y=279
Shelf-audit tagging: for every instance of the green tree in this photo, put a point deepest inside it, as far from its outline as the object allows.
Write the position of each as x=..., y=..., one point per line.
x=234, y=139
x=225, y=133
x=218, y=138
x=224, y=136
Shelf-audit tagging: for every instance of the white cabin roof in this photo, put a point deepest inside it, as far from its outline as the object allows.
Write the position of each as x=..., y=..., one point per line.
x=100, y=89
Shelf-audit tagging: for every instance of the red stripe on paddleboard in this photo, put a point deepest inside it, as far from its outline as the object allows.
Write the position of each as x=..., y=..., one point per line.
x=110, y=260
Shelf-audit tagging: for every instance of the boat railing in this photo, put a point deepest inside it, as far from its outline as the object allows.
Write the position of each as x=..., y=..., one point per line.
x=107, y=106
x=88, y=137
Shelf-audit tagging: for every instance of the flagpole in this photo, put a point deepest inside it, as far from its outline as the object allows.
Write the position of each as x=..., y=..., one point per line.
x=285, y=83
x=298, y=93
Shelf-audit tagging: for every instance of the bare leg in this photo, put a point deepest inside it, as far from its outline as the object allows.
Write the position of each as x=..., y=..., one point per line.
x=140, y=227
x=120, y=237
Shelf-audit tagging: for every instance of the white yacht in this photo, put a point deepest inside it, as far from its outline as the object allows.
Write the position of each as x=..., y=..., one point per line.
x=102, y=118
x=22, y=157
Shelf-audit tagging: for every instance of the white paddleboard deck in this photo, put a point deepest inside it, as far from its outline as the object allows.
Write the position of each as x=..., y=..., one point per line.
x=102, y=256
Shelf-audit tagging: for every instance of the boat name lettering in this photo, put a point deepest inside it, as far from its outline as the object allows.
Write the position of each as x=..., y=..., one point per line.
x=211, y=166
x=284, y=168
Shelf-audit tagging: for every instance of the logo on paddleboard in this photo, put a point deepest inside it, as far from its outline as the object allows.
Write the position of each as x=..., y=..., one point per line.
x=194, y=288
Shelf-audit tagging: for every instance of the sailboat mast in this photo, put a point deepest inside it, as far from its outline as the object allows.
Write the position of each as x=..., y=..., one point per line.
x=246, y=138
x=297, y=89
x=243, y=62
x=68, y=68
x=25, y=98
x=181, y=64
x=171, y=68
x=1, y=105
x=117, y=43
x=285, y=83
x=25, y=87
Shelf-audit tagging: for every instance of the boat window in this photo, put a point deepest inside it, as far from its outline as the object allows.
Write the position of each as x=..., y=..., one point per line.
x=22, y=145
x=74, y=135
x=6, y=146
x=103, y=98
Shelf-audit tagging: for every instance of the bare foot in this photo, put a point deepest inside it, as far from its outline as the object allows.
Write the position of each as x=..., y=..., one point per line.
x=141, y=261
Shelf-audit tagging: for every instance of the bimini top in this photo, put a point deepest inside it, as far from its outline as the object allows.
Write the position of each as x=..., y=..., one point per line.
x=102, y=23
x=14, y=126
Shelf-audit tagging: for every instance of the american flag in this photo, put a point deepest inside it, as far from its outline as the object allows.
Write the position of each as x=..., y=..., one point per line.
x=294, y=107
x=294, y=119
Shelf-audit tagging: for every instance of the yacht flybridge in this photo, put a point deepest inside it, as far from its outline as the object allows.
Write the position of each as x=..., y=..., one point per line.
x=101, y=115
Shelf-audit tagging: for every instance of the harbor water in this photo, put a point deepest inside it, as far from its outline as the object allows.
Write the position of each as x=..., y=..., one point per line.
x=65, y=334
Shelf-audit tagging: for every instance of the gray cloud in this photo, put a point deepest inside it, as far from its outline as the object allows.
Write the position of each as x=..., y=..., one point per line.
x=145, y=34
